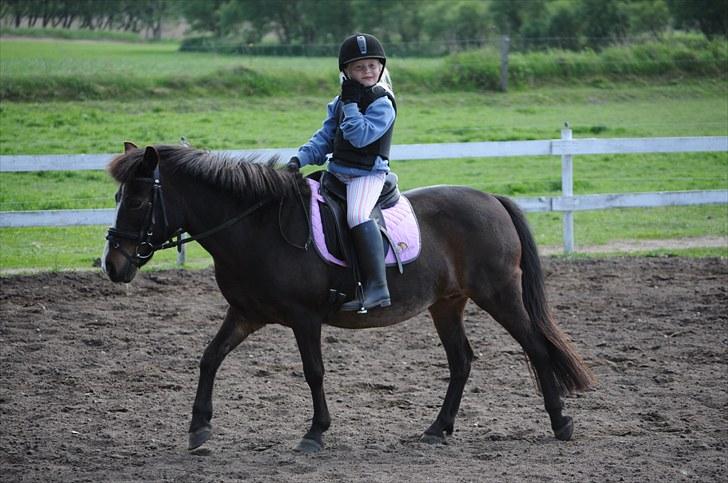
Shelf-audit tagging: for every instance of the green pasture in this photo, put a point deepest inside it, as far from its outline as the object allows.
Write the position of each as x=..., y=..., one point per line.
x=22, y=58
x=694, y=108
x=44, y=69
x=634, y=108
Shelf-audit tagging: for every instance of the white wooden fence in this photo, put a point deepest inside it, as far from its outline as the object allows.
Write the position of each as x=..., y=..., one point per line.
x=566, y=147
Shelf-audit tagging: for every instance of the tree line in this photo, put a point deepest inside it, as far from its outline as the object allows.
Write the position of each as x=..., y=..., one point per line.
x=121, y=15
x=570, y=24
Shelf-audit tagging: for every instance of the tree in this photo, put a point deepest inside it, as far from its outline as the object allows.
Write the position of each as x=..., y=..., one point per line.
x=460, y=24
x=154, y=13
x=564, y=28
x=710, y=16
x=16, y=9
x=331, y=20
x=604, y=21
x=409, y=21
x=202, y=15
x=507, y=15
x=647, y=16
x=379, y=18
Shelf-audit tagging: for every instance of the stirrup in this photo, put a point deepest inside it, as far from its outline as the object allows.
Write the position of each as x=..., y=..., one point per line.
x=359, y=297
x=364, y=308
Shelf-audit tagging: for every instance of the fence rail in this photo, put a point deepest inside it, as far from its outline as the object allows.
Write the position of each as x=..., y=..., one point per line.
x=566, y=147
x=405, y=152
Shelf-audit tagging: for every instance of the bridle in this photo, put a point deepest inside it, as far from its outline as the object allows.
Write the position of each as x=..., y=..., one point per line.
x=155, y=221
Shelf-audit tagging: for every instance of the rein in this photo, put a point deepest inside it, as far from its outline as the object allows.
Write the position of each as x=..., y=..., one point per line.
x=309, y=235
x=181, y=241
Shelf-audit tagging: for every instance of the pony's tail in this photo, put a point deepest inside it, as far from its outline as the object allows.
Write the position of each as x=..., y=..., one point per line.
x=570, y=371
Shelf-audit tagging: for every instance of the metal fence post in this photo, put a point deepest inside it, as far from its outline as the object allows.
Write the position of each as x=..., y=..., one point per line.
x=567, y=191
x=504, y=48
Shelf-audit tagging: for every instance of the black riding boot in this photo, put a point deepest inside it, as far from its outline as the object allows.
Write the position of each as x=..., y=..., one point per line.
x=370, y=253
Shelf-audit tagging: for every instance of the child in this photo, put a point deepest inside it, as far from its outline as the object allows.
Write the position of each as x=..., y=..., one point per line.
x=357, y=133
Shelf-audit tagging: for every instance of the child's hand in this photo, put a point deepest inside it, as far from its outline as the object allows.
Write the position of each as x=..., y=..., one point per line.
x=294, y=164
x=351, y=91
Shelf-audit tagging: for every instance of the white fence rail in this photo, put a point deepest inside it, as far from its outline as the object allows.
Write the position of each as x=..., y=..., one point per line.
x=566, y=147
x=404, y=152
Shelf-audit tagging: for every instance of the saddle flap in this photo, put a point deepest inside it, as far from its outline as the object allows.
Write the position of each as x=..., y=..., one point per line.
x=331, y=234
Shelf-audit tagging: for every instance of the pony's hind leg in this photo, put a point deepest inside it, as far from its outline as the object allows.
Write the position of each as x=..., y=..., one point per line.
x=508, y=310
x=448, y=318
x=233, y=331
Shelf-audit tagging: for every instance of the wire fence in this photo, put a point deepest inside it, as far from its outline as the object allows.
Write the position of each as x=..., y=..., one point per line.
x=440, y=47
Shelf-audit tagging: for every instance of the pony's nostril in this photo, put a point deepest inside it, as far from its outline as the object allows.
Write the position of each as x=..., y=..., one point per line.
x=109, y=270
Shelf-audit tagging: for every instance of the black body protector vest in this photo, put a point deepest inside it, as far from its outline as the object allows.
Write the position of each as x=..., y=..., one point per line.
x=363, y=158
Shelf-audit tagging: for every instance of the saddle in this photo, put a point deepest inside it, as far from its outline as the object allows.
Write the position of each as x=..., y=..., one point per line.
x=332, y=187
x=331, y=231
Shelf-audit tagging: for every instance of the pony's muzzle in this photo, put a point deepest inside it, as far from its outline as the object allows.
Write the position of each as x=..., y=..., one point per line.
x=116, y=264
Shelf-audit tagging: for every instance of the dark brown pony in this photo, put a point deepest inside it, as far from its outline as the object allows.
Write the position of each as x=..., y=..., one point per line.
x=250, y=217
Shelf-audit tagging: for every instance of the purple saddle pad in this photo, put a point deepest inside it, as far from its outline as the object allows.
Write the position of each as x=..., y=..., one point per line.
x=400, y=221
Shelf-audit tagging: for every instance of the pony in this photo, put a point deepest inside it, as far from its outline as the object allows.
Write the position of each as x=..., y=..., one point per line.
x=251, y=216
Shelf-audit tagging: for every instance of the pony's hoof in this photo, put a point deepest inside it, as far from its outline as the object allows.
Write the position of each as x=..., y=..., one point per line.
x=433, y=439
x=199, y=437
x=309, y=446
x=565, y=432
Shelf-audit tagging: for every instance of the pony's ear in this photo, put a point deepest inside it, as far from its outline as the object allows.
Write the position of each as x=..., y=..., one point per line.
x=128, y=146
x=151, y=158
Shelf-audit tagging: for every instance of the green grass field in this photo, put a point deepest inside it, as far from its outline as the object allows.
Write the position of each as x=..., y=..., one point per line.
x=677, y=107
x=45, y=69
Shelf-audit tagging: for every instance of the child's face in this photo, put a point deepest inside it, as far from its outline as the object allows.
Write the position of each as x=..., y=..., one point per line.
x=365, y=71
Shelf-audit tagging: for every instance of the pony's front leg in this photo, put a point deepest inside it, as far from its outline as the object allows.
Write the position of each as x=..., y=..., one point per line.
x=235, y=329
x=308, y=337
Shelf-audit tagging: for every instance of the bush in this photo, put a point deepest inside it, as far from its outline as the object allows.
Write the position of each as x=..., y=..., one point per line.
x=475, y=69
x=681, y=55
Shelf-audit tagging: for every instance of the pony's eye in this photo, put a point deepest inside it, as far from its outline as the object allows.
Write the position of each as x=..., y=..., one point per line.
x=135, y=204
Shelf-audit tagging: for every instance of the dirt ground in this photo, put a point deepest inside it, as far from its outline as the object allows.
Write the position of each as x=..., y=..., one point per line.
x=97, y=382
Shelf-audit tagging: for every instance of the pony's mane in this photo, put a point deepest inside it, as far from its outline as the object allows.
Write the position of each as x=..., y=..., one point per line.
x=248, y=177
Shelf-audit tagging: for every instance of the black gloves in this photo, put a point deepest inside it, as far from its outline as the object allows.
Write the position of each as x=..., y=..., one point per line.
x=351, y=91
x=294, y=164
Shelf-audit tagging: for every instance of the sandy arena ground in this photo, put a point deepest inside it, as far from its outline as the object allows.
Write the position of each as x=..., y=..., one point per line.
x=97, y=382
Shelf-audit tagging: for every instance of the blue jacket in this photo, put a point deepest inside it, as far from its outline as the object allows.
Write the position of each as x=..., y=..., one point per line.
x=359, y=129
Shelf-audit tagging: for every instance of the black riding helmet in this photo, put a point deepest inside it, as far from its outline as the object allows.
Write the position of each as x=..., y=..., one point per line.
x=360, y=46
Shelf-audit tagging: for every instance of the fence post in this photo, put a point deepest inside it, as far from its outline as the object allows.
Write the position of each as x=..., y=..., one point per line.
x=504, y=48
x=567, y=191
x=181, y=254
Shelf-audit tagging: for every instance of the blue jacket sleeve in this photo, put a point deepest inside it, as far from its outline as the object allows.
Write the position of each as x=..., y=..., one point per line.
x=322, y=142
x=363, y=129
